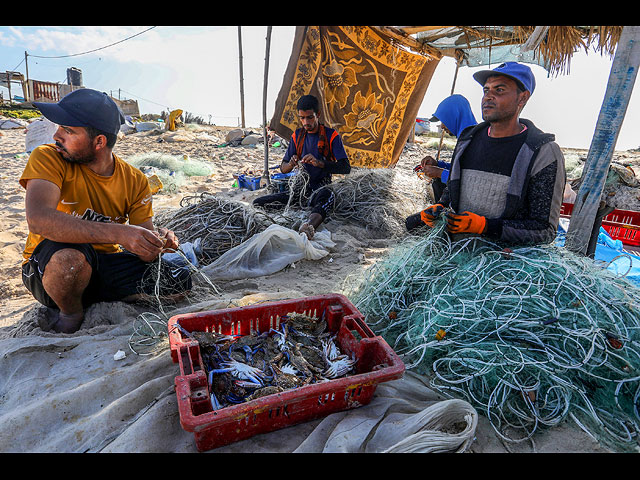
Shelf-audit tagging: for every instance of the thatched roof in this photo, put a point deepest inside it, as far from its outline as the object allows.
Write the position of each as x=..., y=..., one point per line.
x=549, y=46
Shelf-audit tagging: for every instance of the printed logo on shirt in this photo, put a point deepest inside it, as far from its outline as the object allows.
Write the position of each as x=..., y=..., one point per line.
x=64, y=202
x=94, y=216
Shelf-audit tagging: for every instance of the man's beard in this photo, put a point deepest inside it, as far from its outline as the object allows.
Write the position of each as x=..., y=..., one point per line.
x=80, y=159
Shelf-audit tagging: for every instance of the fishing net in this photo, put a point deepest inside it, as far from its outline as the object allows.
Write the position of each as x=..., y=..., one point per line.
x=531, y=336
x=377, y=199
x=380, y=200
x=172, y=170
x=218, y=223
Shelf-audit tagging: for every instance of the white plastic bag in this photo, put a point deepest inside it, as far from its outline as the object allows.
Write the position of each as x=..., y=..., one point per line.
x=39, y=132
x=268, y=252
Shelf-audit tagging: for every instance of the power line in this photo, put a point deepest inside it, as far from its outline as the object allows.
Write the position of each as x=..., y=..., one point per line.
x=150, y=101
x=14, y=68
x=95, y=49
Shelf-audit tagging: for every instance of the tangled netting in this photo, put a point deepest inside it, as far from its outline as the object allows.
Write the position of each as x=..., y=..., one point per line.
x=529, y=336
x=172, y=170
x=378, y=200
x=218, y=224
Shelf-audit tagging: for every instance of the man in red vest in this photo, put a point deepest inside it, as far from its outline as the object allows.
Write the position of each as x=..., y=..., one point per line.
x=318, y=150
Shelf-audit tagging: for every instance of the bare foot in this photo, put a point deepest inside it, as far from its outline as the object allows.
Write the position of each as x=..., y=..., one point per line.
x=60, y=322
x=308, y=230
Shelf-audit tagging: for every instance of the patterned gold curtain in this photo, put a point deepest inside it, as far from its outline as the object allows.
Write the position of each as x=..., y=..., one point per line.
x=369, y=89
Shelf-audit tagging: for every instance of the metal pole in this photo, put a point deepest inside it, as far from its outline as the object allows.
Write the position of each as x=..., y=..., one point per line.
x=624, y=70
x=264, y=107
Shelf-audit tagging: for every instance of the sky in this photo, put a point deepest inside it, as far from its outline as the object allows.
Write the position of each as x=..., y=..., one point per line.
x=196, y=69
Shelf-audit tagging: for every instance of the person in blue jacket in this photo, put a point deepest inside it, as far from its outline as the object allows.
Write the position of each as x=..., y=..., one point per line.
x=454, y=112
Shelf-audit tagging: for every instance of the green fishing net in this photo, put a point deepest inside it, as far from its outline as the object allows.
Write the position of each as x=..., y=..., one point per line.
x=531, y=336
x=172, y=170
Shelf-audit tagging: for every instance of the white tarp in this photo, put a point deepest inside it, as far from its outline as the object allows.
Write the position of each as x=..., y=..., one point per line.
x=69, y=393
x=39, y=132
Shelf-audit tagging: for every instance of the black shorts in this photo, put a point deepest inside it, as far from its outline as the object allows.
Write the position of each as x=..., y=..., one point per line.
x=114, y=275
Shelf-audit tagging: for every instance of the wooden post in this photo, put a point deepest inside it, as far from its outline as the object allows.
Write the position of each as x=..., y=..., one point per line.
x=264, y=107
x=624, y=70
x=453, y=88
x=241, y=75
x=9, y=87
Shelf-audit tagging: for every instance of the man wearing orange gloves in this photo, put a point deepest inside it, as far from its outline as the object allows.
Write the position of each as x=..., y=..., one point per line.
x=507, y=176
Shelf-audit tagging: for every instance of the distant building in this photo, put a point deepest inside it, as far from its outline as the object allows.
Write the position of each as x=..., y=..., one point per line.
x=41, y=91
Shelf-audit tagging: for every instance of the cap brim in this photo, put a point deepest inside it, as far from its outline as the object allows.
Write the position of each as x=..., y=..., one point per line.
x=481, y=77
x=53, y=112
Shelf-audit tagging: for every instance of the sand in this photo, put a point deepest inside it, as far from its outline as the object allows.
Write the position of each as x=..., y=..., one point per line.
x=72, y=388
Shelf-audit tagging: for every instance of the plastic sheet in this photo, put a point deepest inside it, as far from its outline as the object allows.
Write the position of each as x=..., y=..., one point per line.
x=268, y=252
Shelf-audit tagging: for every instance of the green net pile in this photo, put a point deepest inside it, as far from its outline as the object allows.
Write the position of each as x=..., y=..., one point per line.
x=530, y=336
x=172, y=170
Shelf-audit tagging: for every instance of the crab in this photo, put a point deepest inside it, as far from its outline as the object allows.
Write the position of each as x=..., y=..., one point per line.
x=211, y=340
x=241, y=371
x=263, y=392
x=313, y=356
x=285, y=378
x=339, y=367
x=329, y=349
x=223, y=386
x=251, y=341
x=305, y=324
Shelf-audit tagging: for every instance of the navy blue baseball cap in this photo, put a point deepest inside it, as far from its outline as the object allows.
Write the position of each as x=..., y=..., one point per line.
x=84, y=108
x=522, y=74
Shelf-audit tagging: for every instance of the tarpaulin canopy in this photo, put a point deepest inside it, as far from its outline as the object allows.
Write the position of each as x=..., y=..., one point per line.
x=548, y=46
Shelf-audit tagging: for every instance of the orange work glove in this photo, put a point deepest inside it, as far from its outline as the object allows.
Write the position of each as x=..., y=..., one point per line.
x=466, y=222
x=429, y=214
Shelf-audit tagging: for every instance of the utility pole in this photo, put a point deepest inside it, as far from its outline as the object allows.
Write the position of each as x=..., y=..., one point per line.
x=26, y=66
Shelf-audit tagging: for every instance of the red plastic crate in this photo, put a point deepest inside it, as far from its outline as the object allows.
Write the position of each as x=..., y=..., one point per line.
x=621, y=225
x=376, y=363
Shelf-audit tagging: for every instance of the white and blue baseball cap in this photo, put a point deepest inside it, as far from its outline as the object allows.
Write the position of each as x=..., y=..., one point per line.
x=519, y=72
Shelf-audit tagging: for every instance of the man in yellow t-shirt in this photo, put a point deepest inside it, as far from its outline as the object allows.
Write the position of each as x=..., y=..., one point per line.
x=91, y=236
